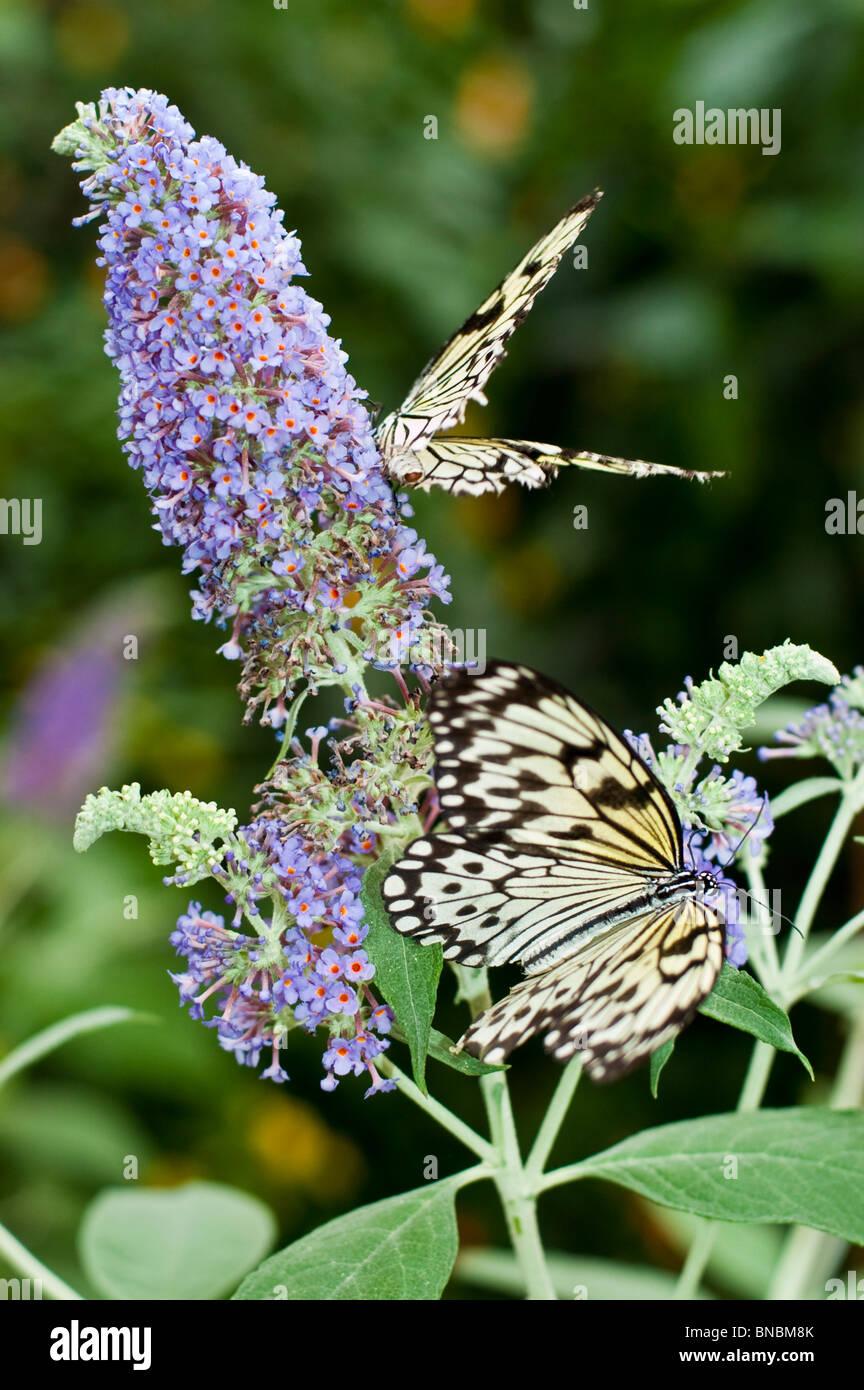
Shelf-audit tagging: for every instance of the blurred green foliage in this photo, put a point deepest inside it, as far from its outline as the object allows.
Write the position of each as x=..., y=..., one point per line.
x=703, y=261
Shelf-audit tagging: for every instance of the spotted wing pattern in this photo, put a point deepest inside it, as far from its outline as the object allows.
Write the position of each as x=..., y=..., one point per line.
x=463, y=366
x=560, y=842
x=615, y=1000
x=474, y=466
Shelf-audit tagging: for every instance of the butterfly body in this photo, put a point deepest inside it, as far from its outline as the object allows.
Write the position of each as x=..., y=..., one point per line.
x=563, y=853
x=412, y=440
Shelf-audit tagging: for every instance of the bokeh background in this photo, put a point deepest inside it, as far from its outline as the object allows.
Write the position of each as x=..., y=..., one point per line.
x=703, y=261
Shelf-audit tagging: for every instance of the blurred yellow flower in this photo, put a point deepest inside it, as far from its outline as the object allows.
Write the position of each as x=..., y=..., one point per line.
x=297, y=1149
x=493, y=105
x=444, y=16
x=91, y=36
x=25, y=280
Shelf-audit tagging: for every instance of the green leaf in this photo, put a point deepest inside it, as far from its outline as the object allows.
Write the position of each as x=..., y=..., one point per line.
x=439, y=1048
x=573, y=1276
x=406, y=973
x=803, y=1166
x=739, y=1000
x=191, y=1242
x=658, y=1062
x=400, y=1249
x=802, y=792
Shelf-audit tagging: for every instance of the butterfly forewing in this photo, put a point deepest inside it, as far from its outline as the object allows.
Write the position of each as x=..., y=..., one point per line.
x=463, y=366
x=563, y=852
x=515, y=752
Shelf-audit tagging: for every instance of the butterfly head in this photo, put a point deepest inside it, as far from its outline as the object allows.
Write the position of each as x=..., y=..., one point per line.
x=708, y=881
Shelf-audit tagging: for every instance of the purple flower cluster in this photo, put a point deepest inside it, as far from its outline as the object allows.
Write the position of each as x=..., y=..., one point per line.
x=251, y=436
x=834, y=730
x=258, y=454
x=307, y=967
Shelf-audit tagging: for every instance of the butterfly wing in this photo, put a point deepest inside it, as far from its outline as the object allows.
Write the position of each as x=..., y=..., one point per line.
x=556, y=828
x=474, y=466
x=615, y=1001
x=463, y=366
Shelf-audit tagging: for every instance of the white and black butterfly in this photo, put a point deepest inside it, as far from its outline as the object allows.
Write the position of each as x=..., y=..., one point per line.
x=563, y=853
x=408, y=437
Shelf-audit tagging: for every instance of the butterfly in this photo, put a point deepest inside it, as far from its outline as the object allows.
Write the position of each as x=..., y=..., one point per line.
x=563, y=853
x=408, y=439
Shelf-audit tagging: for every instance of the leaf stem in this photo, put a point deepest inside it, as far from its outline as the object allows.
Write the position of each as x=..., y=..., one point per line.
x=850, y=805
x=458, y=1128
x=553, y=1119
x=698, y=1256
x=804, y=981
x=518, y=1195
x=762, y=1057
x=20, y=1258
x=58, y=1033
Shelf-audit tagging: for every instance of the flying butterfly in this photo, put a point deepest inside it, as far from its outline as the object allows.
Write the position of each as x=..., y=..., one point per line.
x=563, y=853
x=408, y=438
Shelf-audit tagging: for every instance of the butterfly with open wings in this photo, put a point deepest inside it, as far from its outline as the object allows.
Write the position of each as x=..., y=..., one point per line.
x=563, y=853
x=409, y=439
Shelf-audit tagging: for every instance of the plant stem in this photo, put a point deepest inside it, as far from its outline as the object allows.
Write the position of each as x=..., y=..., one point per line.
x=762, y=1058
x=26, y=1053
x=756, y=1080
x=290, y=726
x=458, y=1128
x=20, y=1258
x=516, y=1187
x=518, y=1195
x=819, y=958
x=850, y=805
x=553, y=1119
x=762, y=942
x=697, y=1258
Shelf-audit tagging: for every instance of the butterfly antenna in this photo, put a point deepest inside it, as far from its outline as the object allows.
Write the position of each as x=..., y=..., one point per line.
x=747, y=832
x=733, y=855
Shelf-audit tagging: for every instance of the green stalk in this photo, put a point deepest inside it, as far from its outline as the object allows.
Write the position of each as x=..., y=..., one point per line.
x=517, y=1193
x=517, y=1188
x=553, y=1119
x=20, y=1258
x=452, y=1123
x=850, y=805
x=762, y=1058
x=812, y=965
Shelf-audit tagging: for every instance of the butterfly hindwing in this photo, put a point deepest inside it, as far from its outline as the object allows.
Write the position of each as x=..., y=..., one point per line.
x=471, y=467
x=463, y=366
x=614, y=1001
